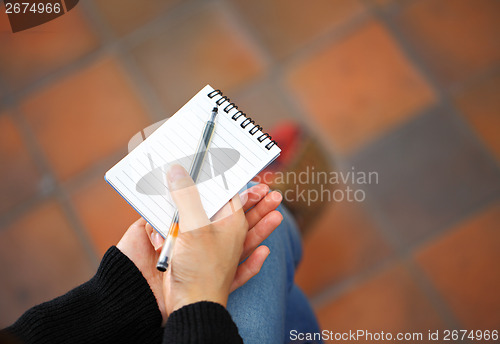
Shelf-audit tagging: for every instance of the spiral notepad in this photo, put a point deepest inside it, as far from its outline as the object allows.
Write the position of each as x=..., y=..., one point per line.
x=240, y=149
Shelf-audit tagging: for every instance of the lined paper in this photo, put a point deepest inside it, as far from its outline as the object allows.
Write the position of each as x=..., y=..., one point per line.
x=140, y=177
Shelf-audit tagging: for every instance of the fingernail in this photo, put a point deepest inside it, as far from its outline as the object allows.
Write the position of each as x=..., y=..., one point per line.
x=157, y=240
x=277, y=196
x=266, y=187
x=176, y=172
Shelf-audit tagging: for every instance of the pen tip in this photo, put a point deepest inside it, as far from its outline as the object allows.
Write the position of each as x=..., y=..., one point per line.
x=215, y=109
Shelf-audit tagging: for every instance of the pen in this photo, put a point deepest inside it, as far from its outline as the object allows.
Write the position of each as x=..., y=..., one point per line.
x=194, y=171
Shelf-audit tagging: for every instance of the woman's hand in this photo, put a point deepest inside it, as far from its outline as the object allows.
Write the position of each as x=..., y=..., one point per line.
x=206, y=253
x=199, y=248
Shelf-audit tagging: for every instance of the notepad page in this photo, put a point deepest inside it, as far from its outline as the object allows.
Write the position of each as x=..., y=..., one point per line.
x=234, y=158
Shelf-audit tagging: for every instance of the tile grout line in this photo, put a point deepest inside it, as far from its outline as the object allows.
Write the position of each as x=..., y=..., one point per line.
x=275, y=76
x=167, y=20
x=272, y=73
x=4, y=93
x=94, y=171
x=443, y=96
x=433, y=295
x=59, y=191
x=333, y=292
x=46, y=185
x=105, y=35
x=109, y=43
x=404, y=254
x=459, y=87
x=55, y=76
x=269, y=76
x=425, y=284
x=11, y=101
x=328, y=294
x=448, y=228
x=141, y=86
x=247, y=30
x=101, y=50
x=48, y=188
x=392, y=235
x=148, y=97
x=275, y=70
x=55, y=189
x=333, y=37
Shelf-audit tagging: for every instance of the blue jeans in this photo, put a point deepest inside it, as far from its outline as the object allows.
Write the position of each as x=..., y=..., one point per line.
x=270, y=305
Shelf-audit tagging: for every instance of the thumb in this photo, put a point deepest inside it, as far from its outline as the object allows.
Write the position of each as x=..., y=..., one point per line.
x=187, y=199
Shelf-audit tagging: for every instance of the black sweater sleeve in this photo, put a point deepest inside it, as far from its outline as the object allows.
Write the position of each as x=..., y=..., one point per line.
x=118, y=306
x=200, y=323
x=115, y=306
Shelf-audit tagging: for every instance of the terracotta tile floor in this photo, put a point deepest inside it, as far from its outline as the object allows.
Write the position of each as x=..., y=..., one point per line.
x=453, y=52
x=44, y=49
x=407, y=89
x=391, y=301
x=354, y=69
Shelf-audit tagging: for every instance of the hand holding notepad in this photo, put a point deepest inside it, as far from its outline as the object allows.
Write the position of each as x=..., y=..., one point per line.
x=239, y=151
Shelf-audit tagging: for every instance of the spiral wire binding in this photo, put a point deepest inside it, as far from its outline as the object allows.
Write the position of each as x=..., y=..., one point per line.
x=246, y=122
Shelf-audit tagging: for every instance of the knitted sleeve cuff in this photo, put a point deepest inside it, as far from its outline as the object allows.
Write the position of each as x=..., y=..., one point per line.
x=201, y=322
x=116, y=305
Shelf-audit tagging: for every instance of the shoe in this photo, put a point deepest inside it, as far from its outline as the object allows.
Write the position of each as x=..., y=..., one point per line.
x=301, y=173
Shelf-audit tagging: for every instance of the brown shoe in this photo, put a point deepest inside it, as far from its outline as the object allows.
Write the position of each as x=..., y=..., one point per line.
x=301, y=173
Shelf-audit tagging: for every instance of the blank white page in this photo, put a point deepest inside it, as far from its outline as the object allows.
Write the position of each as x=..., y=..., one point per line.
x=235, y=156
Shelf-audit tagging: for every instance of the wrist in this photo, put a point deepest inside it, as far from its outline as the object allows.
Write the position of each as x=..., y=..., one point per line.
x=188, y=297
x=120, y=285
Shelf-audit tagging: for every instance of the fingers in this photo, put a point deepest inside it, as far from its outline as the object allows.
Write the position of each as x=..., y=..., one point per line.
x=187, y=199
x=135, y=239
x=250, y=267
x=260, y=232
x=231, y=207
x=154, y=237
x=253, y=195
x=139, y=223
x=266, y=205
